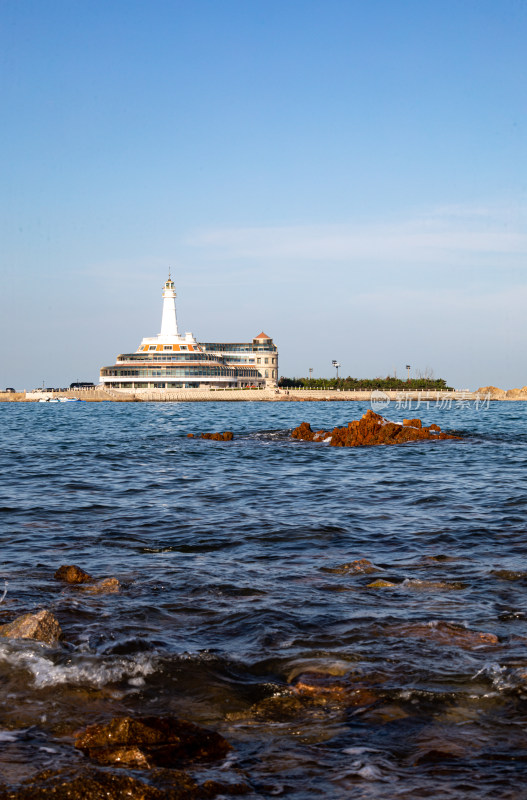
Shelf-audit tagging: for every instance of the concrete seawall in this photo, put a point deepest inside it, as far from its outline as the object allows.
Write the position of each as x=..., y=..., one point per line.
x=402, y=398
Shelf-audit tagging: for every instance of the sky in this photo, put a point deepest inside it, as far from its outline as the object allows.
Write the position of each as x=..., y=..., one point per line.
x=349, y=177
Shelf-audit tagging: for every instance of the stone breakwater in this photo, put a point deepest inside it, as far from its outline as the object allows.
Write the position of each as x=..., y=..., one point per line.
x=100, y=394
x=372, y=429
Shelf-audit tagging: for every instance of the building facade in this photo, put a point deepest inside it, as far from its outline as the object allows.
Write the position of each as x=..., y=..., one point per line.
x=172, y=360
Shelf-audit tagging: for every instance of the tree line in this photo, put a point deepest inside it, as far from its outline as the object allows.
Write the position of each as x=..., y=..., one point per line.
x=365, y=384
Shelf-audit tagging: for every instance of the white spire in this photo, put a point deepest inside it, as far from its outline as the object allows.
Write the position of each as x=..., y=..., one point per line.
x=169, y=319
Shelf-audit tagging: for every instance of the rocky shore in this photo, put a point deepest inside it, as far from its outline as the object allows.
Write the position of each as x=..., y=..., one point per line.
x=156, y=756
x=162, y=747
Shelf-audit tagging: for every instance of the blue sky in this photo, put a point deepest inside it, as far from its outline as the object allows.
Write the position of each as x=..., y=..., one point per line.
x=348, y=176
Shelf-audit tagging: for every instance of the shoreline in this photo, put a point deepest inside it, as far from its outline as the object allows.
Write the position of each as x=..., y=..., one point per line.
x=377, y=398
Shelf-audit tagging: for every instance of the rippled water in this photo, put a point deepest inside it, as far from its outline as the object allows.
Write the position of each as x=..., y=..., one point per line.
x=235, y=611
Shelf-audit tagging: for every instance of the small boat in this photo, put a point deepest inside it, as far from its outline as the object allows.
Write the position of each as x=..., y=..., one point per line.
x=61, y=400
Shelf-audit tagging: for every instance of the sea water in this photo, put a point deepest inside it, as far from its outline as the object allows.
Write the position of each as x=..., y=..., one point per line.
x=240, y=608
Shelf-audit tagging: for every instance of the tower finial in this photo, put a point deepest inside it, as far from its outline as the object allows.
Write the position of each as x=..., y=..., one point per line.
x=169, y=275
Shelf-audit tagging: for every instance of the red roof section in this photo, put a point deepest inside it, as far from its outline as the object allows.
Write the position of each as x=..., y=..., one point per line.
x=262, y=336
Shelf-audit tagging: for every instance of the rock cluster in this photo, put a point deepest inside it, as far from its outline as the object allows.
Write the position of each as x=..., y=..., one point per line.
x=372, y=429
x=226, y=436
x=80, y=783
x=494, y=393
x=70, y=573
x=163, y=745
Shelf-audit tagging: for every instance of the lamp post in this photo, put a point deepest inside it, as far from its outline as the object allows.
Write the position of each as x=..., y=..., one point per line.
x=336, y=365
x=408, y=368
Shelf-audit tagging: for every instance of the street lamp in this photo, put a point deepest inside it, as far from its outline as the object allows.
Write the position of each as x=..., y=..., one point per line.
x=336, y=365
x=408, y=368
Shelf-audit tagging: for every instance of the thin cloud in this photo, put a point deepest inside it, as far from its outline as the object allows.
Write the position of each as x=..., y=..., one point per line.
x=452, y=234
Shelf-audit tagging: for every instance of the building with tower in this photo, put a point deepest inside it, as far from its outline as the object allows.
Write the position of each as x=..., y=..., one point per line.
x=172, y=360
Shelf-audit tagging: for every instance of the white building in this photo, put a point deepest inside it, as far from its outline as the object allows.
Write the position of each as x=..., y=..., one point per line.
x=172, y=360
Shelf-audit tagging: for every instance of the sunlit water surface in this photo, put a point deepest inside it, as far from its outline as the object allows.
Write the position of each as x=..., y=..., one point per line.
x=229, y=604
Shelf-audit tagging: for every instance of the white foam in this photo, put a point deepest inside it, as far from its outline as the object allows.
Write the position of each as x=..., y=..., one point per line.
x=8, y=736
x=370, y=773
x=82, y=670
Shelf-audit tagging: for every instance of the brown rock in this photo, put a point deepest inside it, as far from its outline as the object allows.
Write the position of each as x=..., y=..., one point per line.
x=360, y=566
x=448, y=634
x=42, y=626
x=104, y=586
x=380, y=584
x=493, y=392
x=213, y=788
x=508, y=574
x=276, y=708
x=322, y=689
x=303, y=432
x=372, y=429
x=190, y=435
x=226, y=436
x=426, y=586
x=144, y=742
x=72, y=574
x=382, y=714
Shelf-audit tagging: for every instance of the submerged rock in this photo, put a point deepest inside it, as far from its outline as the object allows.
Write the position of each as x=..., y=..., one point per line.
x=85, y=582
x=226, y=436
x=380, y=584
x=417, y=585
x=360, y=566
x=97, y=784
x=145, y=742
x=426, y=586
x=282, y=706
x=323, y=689
x=508, y=574
x=42, y=626
x=72, y=574
x=372, y=429
x=104, y=586
x=93, y=784
x=447, y=633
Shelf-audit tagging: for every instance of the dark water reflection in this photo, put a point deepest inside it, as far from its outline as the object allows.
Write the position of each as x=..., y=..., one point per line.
x=231, y=613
